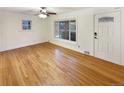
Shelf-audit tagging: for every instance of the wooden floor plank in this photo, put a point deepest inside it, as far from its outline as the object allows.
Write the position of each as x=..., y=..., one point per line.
x=48, y=64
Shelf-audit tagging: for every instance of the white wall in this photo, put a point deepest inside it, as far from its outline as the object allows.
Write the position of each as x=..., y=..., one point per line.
x=85, y=19
x=84, y=33
x=122, y=36
x=11, y=33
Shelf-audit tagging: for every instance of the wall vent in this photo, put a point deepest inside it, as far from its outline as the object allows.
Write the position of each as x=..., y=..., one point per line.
x=86, y=52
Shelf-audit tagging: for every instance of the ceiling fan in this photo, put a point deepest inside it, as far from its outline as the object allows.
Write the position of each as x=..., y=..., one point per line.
x=44, y=13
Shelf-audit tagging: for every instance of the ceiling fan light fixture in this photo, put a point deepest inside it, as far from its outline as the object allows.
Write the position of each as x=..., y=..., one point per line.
x=42, y=16
x=44, y=10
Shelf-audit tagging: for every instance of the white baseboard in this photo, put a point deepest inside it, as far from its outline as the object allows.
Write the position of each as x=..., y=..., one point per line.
x=21, y=45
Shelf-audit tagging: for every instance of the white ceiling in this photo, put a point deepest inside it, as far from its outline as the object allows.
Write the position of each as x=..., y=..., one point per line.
x=35, y=10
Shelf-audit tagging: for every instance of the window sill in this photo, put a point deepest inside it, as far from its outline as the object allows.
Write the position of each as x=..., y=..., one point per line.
x=66, y=41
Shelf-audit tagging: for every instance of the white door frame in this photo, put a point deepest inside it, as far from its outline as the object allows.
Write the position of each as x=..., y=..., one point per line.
x=111, y=11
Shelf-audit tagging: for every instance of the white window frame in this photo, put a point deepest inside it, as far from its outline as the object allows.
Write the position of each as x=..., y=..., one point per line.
x=69, y=41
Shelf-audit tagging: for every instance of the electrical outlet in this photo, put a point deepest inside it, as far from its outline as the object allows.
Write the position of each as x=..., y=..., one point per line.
x=78, y=46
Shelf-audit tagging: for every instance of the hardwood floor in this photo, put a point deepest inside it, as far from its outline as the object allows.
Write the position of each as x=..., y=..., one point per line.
x=48, y=64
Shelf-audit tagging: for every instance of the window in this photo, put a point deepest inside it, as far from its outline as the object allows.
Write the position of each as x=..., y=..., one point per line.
x=26, y=24
x=66, y=30
x=106, y=19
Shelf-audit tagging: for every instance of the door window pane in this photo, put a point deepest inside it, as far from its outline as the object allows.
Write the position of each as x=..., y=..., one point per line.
x=106, y=19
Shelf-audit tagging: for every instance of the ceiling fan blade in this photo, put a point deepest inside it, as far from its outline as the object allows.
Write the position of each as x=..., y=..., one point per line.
x=43, y=7
x=51, y=13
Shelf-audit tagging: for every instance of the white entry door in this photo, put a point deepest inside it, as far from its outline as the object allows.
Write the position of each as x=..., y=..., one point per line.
x=107, y=37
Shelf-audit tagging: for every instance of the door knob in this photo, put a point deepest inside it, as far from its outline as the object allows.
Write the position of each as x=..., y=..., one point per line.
x=95, y=37
x=95, y=33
